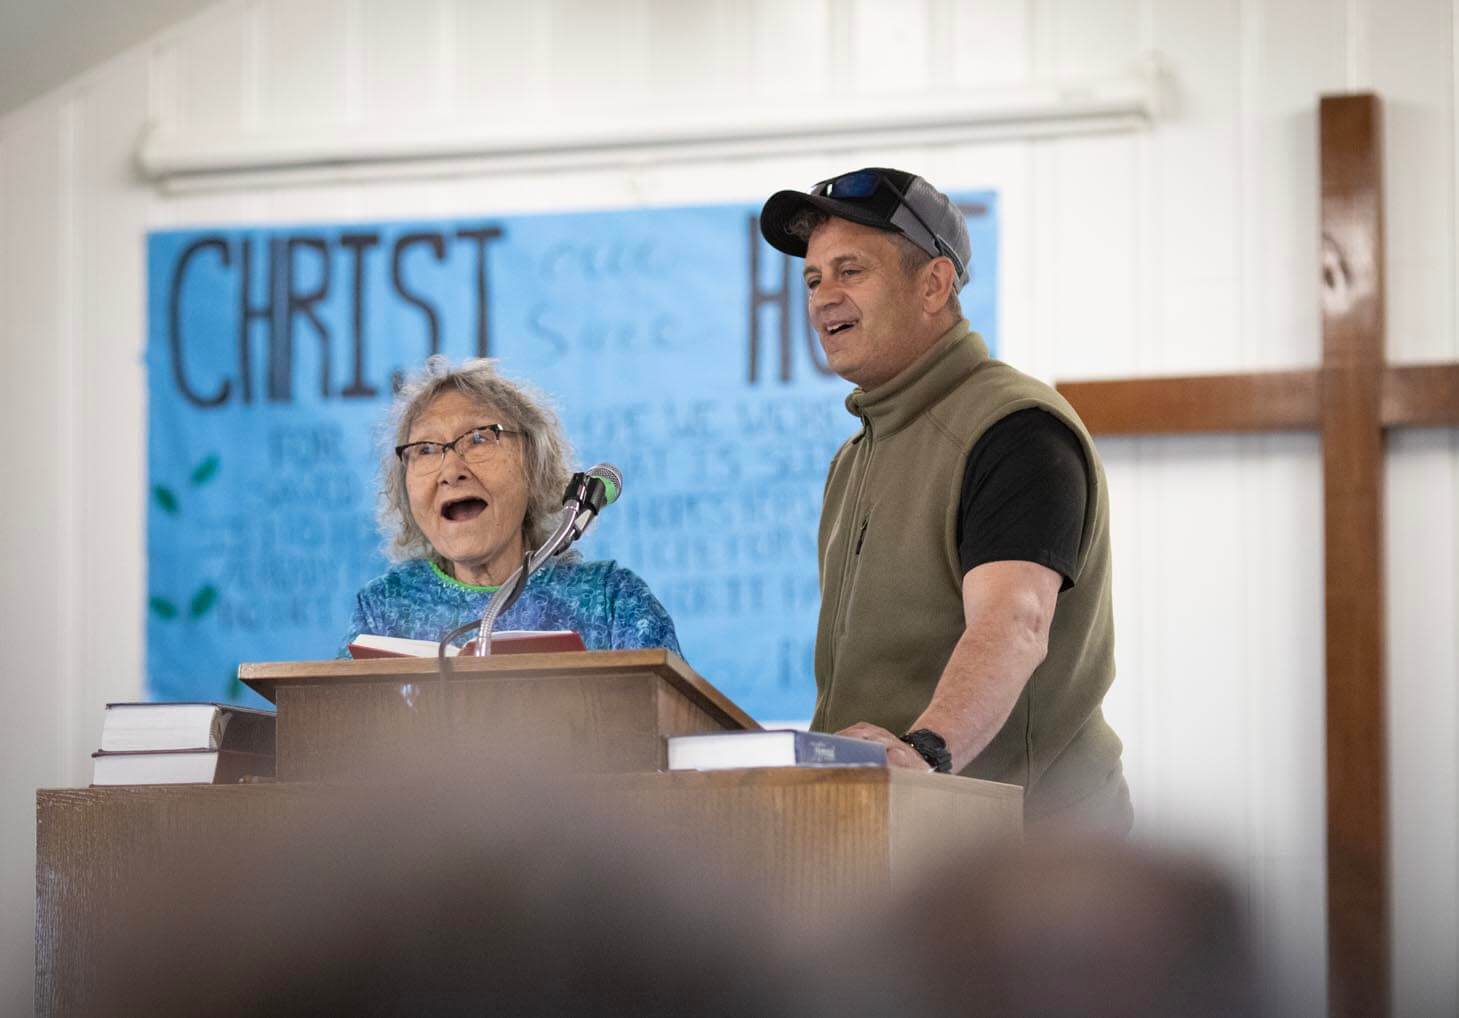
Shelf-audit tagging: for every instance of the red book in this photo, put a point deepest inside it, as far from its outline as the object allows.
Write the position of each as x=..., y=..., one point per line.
x=511, y=641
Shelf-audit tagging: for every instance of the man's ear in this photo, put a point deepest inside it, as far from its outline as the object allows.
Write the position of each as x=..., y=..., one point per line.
x=937, y=284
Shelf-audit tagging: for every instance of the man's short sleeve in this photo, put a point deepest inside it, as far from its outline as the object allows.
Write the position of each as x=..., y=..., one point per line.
x=1024, y=493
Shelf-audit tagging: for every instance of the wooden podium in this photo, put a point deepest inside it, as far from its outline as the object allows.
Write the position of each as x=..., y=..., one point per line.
x=810, y=841
x=596, y=712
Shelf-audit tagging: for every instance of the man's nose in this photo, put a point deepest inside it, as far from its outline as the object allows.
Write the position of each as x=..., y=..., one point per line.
x=824, y=295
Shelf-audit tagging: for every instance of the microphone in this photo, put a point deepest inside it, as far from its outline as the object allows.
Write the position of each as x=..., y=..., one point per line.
x=587, y=493
x=586, y=496
x=612, y=480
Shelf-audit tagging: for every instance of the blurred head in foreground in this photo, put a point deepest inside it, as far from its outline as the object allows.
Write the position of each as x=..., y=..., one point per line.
x=1067, y=928
x=409, y=903
x=418, y=904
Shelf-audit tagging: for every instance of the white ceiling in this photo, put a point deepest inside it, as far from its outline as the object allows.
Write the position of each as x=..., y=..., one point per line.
x=44, y=43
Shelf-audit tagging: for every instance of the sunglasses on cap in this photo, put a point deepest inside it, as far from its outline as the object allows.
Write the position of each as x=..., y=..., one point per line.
x=863, y=184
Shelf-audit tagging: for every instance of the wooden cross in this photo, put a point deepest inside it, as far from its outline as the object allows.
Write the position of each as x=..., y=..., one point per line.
x=1351, y=399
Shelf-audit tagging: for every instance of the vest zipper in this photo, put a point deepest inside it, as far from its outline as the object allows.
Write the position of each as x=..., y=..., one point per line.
x=852, y=552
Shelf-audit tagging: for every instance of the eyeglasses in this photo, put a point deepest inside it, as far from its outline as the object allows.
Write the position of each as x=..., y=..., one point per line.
x=477, y=446
x=863, y=184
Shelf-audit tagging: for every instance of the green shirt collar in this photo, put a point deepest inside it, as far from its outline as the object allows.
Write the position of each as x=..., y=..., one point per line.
x=451, y=581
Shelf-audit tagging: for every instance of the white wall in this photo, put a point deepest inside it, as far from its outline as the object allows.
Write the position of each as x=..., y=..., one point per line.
x=1191, y=247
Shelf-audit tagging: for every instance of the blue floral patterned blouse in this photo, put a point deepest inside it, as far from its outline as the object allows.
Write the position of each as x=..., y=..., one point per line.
x=609, y=606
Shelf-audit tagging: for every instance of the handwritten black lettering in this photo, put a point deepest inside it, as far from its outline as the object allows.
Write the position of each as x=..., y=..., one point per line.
x=357, y=244
x=482, y=236
x=437, y=244
x=301, y=302
x=174, y=320
x=266, y=313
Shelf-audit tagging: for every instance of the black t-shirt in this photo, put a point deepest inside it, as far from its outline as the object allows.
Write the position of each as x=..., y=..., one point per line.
x=1024, y=493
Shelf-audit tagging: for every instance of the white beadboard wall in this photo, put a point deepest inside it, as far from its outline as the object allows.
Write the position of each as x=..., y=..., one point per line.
x=1189, y=247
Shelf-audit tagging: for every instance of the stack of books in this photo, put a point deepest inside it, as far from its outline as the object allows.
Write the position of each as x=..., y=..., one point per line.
x=183, y=744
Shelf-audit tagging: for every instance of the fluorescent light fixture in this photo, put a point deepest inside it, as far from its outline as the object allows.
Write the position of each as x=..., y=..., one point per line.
x=227, y=160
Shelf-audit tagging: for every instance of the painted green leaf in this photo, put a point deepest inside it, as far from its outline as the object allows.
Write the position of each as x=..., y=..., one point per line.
x=162, y=607
x=204, y=599
x=165, y=498
x=204, y=471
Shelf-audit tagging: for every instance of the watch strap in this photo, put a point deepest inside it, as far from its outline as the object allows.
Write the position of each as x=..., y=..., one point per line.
x=930, y=747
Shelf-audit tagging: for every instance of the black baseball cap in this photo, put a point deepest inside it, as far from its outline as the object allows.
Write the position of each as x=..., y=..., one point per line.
x=886, y=199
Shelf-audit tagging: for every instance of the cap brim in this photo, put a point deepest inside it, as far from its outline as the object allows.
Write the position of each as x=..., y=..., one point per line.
x=782, y=207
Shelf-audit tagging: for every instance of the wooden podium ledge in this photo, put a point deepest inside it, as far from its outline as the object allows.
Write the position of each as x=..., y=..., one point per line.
x=265, y=677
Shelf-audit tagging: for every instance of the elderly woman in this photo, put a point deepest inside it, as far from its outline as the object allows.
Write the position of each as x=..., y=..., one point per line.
x=474, y=481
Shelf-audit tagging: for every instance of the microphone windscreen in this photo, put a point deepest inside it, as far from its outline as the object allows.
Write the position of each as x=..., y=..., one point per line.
x=612, y=481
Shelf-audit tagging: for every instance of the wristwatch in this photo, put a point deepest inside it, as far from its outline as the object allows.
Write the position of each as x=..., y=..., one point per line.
x=930, y=747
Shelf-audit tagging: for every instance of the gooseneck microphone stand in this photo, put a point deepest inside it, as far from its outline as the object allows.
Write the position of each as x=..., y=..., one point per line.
x=586, y=495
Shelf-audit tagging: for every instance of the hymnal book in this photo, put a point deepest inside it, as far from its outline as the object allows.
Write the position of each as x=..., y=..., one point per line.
x=789, y=748
x=178, y=767
x=511, y=641
x=206, y=726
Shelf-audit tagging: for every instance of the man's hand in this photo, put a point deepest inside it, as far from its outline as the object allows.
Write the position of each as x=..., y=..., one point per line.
x=899, y=754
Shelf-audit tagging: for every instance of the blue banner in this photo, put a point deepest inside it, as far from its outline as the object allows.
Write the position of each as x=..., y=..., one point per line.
x=673, y=341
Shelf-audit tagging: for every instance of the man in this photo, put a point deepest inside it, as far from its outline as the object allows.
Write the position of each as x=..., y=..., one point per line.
x=964, y=541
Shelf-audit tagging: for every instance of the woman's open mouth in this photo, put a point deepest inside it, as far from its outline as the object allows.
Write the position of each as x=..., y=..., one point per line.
x=459, y=510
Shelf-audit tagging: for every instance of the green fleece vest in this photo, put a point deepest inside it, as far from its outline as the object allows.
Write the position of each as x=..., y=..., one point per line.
x=891, y=584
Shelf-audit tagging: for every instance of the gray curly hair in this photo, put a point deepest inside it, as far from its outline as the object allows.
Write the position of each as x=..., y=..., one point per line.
x=546, y=452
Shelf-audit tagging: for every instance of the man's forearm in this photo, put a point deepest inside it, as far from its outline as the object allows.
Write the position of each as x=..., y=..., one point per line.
x=981, y=683
x=1008, y=609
